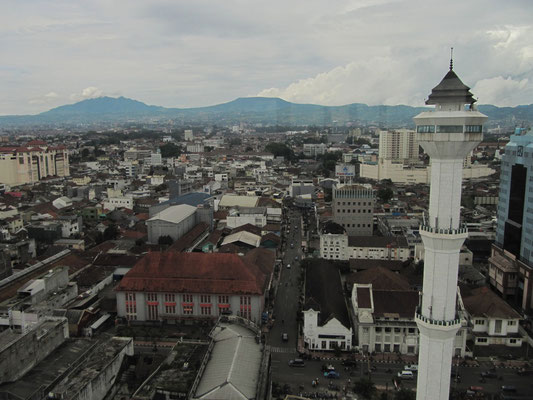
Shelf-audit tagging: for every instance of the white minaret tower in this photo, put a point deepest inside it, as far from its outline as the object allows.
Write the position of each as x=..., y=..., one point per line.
x=447, y=134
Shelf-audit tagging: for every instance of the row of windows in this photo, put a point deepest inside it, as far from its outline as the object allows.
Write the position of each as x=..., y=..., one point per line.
x=358, y=211
x=396, y=330
x=349, y=203
x=358, y=225
x=449, y=128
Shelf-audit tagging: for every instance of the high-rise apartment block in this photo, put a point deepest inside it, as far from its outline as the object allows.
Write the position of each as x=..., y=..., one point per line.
x=511, y=261
x=31, y=163
x=447, y=135
x=401, y=144
x=353, y=209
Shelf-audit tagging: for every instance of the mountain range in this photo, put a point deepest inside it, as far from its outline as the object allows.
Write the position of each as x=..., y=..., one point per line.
x=265, y=110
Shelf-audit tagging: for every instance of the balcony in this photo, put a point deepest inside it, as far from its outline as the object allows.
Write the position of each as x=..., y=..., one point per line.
x=444, y=231
x=444, y=323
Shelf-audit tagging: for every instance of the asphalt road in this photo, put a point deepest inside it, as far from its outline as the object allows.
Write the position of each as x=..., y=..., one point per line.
x=286, y=305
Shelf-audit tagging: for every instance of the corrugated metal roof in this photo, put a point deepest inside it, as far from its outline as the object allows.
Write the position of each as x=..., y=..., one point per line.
x=242, y=201
x=244, y=237
x=233, y=370
x=174, y=214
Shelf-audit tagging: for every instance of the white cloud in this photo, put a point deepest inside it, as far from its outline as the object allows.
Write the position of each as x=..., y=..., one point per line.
x=504, y=91
x=199, y=53
x=90, y=92
x=51, y=95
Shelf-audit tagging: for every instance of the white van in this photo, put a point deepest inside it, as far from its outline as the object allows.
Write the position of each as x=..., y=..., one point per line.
x=406, y=375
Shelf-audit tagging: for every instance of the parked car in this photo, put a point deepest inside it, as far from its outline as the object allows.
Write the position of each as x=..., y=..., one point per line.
x=332, y=375
x=285, y=337
x=509, y=389
x=297, y=362
x=411, y=367
x=406, y=375
x=288, y=266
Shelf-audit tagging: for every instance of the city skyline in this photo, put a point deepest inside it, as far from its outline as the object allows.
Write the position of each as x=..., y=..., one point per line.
x=198, y=54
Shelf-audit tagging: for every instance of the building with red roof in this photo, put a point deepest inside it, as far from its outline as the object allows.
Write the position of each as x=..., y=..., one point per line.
x=173, y=286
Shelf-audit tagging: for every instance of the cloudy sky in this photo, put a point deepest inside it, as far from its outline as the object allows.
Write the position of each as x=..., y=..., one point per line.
x=192, y=53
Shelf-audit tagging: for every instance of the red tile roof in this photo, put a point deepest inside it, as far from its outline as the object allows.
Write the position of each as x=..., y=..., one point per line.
x=190, y=238
x=194, y=273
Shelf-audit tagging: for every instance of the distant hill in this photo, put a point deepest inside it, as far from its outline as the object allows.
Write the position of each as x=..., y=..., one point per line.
x=265, y=110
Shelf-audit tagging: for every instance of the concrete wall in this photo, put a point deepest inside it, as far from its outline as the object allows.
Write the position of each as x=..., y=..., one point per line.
x=28, y=349
x=312, y=333
x=160, y=228
x=257, y=304
x=97, y=388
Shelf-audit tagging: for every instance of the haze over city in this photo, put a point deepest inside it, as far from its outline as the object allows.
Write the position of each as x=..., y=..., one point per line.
x=188, y=54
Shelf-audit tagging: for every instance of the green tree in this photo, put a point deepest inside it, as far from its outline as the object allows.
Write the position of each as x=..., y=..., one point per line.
x=249, y=148
x=385, y=194
x=111, y=232
x=365, y=387
x=280, y=150
x=170, y=150
x=234, y=142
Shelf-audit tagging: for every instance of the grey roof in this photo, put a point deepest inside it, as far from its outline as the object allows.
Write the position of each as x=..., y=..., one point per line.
x=233, y=369
x=174, y=213
x=377, y=241
x=323, y=288
x=451, y=90
x=191, y=199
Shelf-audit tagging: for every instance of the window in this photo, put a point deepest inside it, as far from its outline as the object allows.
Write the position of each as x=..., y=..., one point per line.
x=482, y=340
x=378, y=347
x=170, y=303
x=245, y=307
x=473, y=128
x=425, y=129
x=187, y=304
x=131, y=307
x=411, y=330
x=449, y=129
x=480, y=322
x=205, y=309
x=512, y=341
x=511, y=323
x=205, y=298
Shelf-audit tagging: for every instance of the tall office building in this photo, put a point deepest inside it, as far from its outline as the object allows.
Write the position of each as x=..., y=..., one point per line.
x=447, y=135
x=511, y=261
x=33, y=162
x=353, y=209
x=401, y=144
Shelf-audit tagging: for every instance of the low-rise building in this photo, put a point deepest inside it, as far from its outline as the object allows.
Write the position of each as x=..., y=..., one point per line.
x=494, y=322
x=174, y=286
x=327, y=324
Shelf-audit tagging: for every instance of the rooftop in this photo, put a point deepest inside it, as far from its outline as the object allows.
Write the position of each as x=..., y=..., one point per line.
x=234, y=365
x=194, y=273
x=174, y=214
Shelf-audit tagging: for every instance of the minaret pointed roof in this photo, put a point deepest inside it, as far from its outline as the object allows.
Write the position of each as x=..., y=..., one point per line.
x=451, y=90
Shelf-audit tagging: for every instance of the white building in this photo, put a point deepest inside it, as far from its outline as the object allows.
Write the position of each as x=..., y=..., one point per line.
x=344, y=247
x=113, y=203
x=400, y=144
x=314, y=149
x=494, y=322
x=188, y=135
x=447, y=134
x=327, y=324
x=174, y=221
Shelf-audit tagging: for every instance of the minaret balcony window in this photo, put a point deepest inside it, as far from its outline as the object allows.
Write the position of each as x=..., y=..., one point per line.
x=449, y=128
x=425, y=129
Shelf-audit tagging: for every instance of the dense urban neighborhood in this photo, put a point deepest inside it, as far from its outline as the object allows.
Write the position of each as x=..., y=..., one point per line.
x=256, y=261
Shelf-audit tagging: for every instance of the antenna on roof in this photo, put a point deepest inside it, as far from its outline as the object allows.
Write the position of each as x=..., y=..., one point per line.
x=451, y=58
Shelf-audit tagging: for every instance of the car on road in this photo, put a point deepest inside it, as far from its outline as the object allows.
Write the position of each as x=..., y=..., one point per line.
x=295, y=258
x=474, y=389
x=406, y=375
x=411, y=367
x=297, y=362
x=292, y=245
x=285, y=337
x=332, y=375
x=349, y=363
x=509, y=389
x=488, y=374
x=327, y=368
x=288, y=266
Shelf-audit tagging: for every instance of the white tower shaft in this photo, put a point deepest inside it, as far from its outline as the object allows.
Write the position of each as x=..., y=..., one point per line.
x=447, y=135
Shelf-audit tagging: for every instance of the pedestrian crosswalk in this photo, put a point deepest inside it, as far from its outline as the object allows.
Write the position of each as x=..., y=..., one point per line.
x=275, y=349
